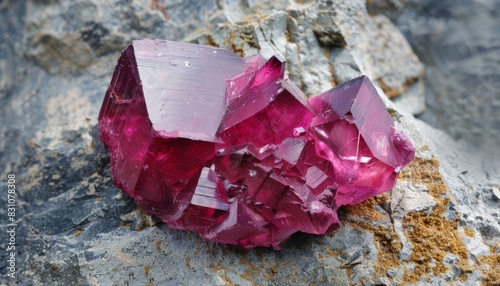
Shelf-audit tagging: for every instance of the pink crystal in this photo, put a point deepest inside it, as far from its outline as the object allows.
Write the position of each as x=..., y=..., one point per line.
x=232, y=150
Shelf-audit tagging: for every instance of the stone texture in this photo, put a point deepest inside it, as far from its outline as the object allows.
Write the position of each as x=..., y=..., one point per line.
x=78, y=229
x=446, y=39
x=311, y=37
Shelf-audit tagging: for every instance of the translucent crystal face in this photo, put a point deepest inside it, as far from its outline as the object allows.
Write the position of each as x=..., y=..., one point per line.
x=229, y=148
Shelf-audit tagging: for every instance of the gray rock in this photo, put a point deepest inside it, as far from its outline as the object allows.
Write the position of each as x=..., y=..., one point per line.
x=412, y=100
x=470, y=175
x=76, y=228
x=313, y=35
x=459, y=44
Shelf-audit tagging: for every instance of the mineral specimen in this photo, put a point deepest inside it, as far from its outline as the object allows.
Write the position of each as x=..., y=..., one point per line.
x=229, y=148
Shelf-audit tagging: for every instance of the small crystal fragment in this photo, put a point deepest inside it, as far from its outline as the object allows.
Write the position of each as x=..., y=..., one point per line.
x=231, y=149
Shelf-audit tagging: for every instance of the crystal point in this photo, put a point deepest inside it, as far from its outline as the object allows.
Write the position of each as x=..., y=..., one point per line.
x=231, y=149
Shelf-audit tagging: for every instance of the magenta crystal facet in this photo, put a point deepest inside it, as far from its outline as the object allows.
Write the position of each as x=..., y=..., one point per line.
x=230, y=149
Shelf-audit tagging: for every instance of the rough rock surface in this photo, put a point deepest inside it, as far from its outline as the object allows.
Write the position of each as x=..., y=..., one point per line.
x=459, y=43
x=439, y=225
x=324, y=46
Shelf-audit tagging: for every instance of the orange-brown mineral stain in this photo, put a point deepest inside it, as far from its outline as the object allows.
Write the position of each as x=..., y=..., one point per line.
x=387, y=240
x=491, y=266
x=158, y=6
x=433, y=236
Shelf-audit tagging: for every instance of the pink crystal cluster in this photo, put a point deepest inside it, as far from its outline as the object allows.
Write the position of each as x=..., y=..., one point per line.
x=231, y=149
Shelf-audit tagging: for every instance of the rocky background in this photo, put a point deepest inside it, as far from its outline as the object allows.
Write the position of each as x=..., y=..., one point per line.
x=439, y=225
x=459, y=42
